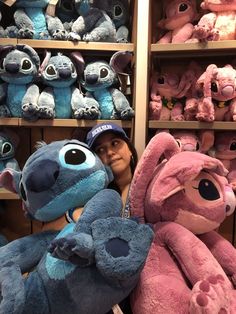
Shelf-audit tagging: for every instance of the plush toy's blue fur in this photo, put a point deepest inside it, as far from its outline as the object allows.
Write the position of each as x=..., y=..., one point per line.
x=8, y=146
x=18, y=94
x=94, y=263
x=98, y=79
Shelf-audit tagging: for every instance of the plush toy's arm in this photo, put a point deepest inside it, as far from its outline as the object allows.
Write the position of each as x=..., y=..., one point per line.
x=223, y=251
x=26, y=252
x=13, y=164
x=206, y=110
x=205, y=30
x=84, y=107
x=78, y=247
x=122, y=106
x=155, y=107
x=30, y=103
x=190, y=109
x=177, y=112
x=56, y=28
x=181, y=35
x=24, y=24
x=46, y=104
x=122, y=34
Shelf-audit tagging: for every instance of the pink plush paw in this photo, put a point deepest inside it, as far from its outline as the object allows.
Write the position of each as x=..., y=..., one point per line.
x=201, y=31
x=155, y=110
x=202, y=116
x=210, y=296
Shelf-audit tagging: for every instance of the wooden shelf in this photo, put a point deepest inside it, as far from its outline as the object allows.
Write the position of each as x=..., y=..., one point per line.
x=216, y=47
x=8, y=41
x=6, y=195
x=216, y=125
x=60, y=123
x=57, y=44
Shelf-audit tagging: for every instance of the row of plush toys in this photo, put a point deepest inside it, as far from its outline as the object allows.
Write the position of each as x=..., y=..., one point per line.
x=184, y=22
x=53, y=88
x=86, y=20
x=167, y=255
x=194, y=93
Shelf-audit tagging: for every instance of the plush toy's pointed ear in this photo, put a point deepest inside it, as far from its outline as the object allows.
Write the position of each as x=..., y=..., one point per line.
x=161, y=144
x=45, y=61
x=120, y=61
x=79, y=61
x=9, y=179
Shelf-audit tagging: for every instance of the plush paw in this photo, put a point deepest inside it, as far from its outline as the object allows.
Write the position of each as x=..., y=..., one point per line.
x=205, y=117
x=76, y=248
x=73, y=36
x=210, y=296
x=59, y=34
x=127, y=114
x=44, y=36
x=201, y=31
x=46, y=113
x=4, y=111
x=121, y=246
x=25, y=33
x=30, y=111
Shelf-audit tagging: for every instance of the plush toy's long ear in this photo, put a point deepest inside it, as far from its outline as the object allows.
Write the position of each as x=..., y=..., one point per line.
x=120, y=60
x=79, y=61
x=45, y=61
x=161, y=144
x=9, y=179
x=207, y=140
x=210, y=73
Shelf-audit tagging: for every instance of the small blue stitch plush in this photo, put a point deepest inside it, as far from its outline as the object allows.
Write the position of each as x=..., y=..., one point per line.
x=32, y=21
x=61, y=98
x=93, y=263
x=99, y=80
x=9, y=141
x=18, y=69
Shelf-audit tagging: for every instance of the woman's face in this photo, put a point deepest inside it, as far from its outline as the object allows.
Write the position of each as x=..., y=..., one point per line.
x=114, y=152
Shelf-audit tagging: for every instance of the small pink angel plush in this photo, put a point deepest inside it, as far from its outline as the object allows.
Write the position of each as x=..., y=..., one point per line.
x=218, y=86
x=190, y=268
x=219, y=23
x=178, y=18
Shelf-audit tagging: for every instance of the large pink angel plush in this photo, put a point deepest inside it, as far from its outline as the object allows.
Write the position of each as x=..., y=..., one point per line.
x=190, y=268
x=218, y=88
x=219, y=23
x=179, y=16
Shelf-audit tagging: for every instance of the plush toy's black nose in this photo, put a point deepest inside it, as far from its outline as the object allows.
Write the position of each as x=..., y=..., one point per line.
x=91, y=78
x=64, y=73
x=12, y=68
x=43, y=176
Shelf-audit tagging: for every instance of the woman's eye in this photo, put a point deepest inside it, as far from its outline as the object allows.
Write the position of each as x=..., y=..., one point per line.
x=100, y=150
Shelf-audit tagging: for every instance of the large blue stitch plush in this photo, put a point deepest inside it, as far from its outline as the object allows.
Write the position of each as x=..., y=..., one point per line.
x=18, y=69
x=100, y=79
x=95, y=262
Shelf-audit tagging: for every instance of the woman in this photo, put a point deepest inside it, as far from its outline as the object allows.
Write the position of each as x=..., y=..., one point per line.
x=114, y=148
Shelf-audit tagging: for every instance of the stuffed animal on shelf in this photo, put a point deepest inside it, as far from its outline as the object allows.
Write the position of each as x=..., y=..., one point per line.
x=178, y=18
x=32, y=21
x=219, y=23
x=189, y=140
x=169, y=92
x=94, y=261
x=225, y=150
x=61, y=98
x=92, y=24
x=9, y=142
x=99, y=79
x=218, y=87
x=18, y=70
x=190, y=267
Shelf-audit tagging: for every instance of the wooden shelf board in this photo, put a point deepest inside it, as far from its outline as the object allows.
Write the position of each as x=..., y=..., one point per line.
x=216, y=125
x=9, y=121
x=8, y=41
x=206, y=48
x=70, y=123
x=57, y=44
x=6, y=195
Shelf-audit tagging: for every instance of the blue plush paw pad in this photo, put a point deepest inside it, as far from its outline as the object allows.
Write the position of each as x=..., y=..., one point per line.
x=117, y=247
x=121, y=246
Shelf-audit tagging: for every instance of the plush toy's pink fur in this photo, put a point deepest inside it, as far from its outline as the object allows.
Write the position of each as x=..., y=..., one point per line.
x=178, y=18
x=220, y=23
x=225, y=150
x=218, y=86
x=190, y=268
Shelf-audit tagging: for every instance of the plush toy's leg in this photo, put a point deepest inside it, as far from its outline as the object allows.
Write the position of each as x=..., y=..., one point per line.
x=12, y=289
x=121, y=247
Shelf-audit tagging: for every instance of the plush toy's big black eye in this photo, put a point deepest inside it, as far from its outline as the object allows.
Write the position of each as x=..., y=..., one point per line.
x=208, y=190
x=183, y=7
x=6, y=148
x=233, y=146
x=103, y=72
x=26, y=64
x=161, y=80
x=197, y=146
x=50, y=70
x=214, y=87
x=117, y=11
x=75, y=156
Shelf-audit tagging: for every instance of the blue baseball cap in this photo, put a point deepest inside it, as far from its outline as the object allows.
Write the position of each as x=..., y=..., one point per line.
x=101, y=128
